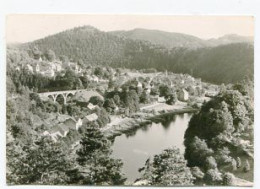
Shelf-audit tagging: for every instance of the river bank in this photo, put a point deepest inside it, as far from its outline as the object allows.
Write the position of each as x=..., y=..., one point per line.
x=140, y=119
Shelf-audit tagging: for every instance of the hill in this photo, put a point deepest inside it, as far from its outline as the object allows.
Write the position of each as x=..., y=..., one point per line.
x=173, y=40
x=166, y=39
x=231, y=38
x=220, y=64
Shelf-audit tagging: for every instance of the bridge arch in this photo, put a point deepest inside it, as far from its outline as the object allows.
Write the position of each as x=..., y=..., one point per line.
x=66, y=95
x=59, y=97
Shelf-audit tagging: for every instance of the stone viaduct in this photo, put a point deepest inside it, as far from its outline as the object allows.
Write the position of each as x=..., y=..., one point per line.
x=55, y=94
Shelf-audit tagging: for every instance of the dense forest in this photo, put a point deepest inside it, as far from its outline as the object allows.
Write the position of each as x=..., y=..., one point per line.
x=221, y=64
x=216, y=137
x=173, y=39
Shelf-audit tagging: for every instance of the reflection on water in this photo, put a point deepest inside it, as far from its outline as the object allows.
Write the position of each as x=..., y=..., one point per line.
x=135, y=147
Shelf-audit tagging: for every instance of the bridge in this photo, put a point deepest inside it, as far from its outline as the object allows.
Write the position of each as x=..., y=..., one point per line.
x=55, y=94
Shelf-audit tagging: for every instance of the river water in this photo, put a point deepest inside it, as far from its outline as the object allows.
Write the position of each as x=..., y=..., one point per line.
x=135, y=147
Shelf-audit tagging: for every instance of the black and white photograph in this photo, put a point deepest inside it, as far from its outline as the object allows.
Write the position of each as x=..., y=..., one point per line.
x=129, y=100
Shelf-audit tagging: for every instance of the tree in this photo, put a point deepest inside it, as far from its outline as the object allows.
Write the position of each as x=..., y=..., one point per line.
x=64, y=59
x=78, y=84
x=155, y=91
x=228, y=179
x=111, y=84
x=43, y=162
x=109, y=105
x=247, y=166
x=117, y=99
x=85, y=81
x=171, y=99
x=144, y=97
x=165, y=90
x=197, y=173
x=36, y=53
x=238, y=162
x=167, y=169
x=50, y=55
x=96, y=100
x=222, y=156
x=234, y=164
x=96, y=167
x=131, y=101
x=211, y=163
x=99, y=72
x=103, y=117
x=213, y=177
x=196, y=152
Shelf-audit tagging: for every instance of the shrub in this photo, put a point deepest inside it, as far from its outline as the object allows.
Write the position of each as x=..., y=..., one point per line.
x=213, y=177
x=238, y=162
x=247, y=166
x=197, y=173
x=228, y=179
x=211, y=163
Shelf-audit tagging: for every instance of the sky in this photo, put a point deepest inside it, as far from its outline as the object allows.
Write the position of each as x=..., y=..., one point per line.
x=28, y=27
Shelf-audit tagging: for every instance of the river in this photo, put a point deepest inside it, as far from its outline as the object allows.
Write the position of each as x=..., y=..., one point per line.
x=135, y=147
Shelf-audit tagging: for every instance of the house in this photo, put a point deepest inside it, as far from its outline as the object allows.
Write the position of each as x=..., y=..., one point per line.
x=95, y=78
x=116, y=109
x=62, y=117
x=75, y=67
x=62, y=125
x=91, y=117
x=139, y=85
x=79, y=123
x=29, y=68
x=46, y=69
x=36, y=68
x=161, y=99
x=55, y=132
x=210, y=93
x=48, y=73
x=69, y=124
x=103, y=80
x=183, y=95
x=91, y=106
x=58, y=67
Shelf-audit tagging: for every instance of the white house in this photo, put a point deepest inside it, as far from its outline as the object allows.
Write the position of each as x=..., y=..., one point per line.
x=91, y=106
x=91, y=117
x=161, y=99
x=29, y=68
x=183, y=95
x=139, y=84
x=79, y=124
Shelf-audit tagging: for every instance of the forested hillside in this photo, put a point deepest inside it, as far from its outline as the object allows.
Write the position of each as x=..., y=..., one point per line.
x=221, y=64
x=166, y=39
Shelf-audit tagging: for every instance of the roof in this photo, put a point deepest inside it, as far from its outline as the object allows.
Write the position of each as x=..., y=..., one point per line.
x=92, y=117
x=54, y=129
x=184, y=91
x=69, y=124
x=91, y=106
x=62, y=118
x=62, y=128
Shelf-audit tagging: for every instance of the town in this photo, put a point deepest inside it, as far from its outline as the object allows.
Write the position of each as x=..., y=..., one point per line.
x=159, y=92
x=89, y=107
